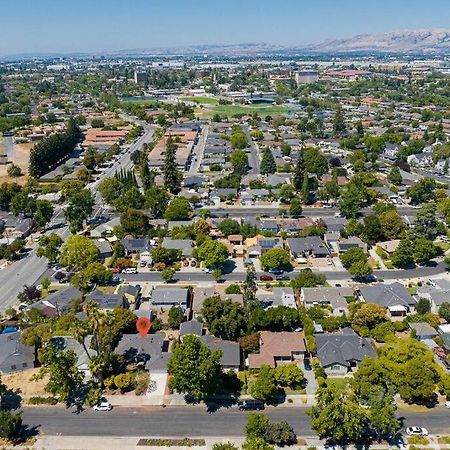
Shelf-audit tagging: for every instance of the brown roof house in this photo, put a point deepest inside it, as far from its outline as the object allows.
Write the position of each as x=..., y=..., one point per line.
x=278, y=348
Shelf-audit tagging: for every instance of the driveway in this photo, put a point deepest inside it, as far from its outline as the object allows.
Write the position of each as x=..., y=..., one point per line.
x=312, y=385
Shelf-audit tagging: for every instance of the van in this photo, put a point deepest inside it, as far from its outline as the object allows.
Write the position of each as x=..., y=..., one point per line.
x=251, y=405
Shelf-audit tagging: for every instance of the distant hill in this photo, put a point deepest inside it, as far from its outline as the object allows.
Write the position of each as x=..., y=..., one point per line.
x=419, y=41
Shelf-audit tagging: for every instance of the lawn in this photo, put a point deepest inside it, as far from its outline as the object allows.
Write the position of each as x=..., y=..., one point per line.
x=202, y=100
x=230, y=110
x=412, y=290
x=337, y=383
x=444, y=246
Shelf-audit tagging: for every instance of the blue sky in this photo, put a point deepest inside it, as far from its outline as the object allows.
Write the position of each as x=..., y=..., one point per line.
x=100, y=25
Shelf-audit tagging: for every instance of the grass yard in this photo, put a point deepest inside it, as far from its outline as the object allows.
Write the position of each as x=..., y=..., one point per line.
x=337, y=383
x=412, y=290
x=444, y=246
x=229, y=110
x=202, y=100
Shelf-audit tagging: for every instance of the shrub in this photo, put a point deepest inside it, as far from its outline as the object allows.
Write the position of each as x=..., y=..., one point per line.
x=233, y=289
x=42, y=400
x=418, y=440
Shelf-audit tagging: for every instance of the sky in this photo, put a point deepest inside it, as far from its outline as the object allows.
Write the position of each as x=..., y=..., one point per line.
x=64, y=26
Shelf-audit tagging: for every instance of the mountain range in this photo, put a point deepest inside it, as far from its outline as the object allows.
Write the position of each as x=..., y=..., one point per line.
x=427, y=42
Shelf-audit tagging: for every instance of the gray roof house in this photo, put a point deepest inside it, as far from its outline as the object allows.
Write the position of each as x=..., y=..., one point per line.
x=106, y=301
x=231, y=351
x=168, y=297
x=60, y=299
x=280, y=296
x=70, y=343
x=191, y=327
x=333, y=296
x=14, y=356
x=394, y=297
x=340, y=353
x=307, y=246
x=135, y=246
x=138, y=349
x=345, y=244
x=423, y=330
x=184, y=245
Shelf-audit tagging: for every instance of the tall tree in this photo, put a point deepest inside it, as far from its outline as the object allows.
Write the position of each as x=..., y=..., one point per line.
x=306, y=191
x=79, y=209
x=195, y=369
x=268, y=164
x=299, y=171
x=172, y=176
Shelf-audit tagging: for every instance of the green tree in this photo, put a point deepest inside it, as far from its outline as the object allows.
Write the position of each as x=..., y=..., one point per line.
x=250, y=286
x=339, y=127
x=275, y=258
x=306, y=194
x=79, y=209
x=239, y=161
x=392, y=225
x=307, y=278
x=424, y=251
x=403, y=255
x=49, y=247
x=295, y=208
x=256, y=443
x=213, y=254
x=299, y=171
x=372, y=231
x=315, y=162
x=78, y=252
x=195, y=369
x=65, y=379
x=352, y=256
x=350, y=202
x=167, y=274
x=422, y=191
x=156, y=200
x=265, y=387
x=268, y=164
x=427, y=225
x=257, y=425
x=395, y=176
x=172, y=176
x=289, y=375
x=337, y=415
x=360, y=269
x=14, y=171
x=229, y=226
x=134, y=222
x=423, y=306
x=10, y=425
x=175, y=317
x=94, y=272
x=179, y=208
x=44, y=213
x=367, y=315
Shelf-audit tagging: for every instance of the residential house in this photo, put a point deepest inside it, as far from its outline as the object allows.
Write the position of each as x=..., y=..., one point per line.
x=104, y=248
x=200, y=294
x=231, y=351
x=421, y=160
x=136, y=246
x=57, y=303
x=167, y=297
x=106, y=301
x=70, y=343
x=388, y=246
x=341, y=353
x=269, y=225
x=277, y=348
x=191, y=327
x=15, y=356
x=423, y=330
x=267, y=244
x=336, y=297
x=139, y=349
x=279, y=296
x=394, y=297
x=185, y=246
x=307, y=246
x=345, y=244
x=130, y=293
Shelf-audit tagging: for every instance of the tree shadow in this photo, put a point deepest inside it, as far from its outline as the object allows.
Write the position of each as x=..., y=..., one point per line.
x=26, y=433
x=11, y=400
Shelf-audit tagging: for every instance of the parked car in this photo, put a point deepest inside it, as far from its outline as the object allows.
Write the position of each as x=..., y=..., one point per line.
x=102, y=406
x=447, y=404
x=416, y=431
x=282, y=278
x=130, y=270
x=276, y=271
x=255, y=405
x=266, y=278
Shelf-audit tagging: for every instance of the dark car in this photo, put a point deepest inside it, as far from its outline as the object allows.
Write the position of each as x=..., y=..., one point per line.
x=266, y=278
x=282, y=278
x=251, y=405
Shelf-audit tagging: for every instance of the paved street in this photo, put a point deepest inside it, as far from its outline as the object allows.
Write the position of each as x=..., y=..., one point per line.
x=418, y=272
x=30, y=268
x=198, y=152
x=187, y=421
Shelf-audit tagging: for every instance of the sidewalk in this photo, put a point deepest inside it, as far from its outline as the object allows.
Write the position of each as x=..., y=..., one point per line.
x=131, y=443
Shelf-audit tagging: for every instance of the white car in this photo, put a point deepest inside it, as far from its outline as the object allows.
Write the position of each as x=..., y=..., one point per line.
x=102, y=406
x=130, y=270
x=416, y=431
x=447, y=403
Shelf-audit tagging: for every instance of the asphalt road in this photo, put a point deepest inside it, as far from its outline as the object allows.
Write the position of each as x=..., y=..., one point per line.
x=417, y=272
x=30, y=269
x=259, y=211
x=188, y=421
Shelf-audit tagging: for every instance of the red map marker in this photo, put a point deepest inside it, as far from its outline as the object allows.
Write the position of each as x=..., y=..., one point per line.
x=143, y=325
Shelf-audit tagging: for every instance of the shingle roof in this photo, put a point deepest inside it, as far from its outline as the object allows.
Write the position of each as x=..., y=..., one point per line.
x=231, y=351
x=342, y=348
x=387, y=295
